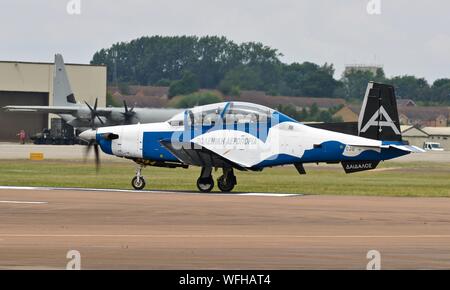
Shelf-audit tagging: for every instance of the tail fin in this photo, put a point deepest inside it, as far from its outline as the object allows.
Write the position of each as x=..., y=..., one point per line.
x=62, y=92
x=378, y=118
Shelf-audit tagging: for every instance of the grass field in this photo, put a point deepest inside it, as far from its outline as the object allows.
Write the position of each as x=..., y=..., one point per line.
x=390, y=179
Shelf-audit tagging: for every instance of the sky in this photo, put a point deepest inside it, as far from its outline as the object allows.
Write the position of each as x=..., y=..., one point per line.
x=405, y=36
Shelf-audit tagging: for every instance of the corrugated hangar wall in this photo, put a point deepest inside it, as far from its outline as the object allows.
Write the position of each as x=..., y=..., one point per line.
x=31, y=83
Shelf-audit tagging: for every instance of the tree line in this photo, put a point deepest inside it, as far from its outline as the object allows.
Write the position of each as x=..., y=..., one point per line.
x=354, y=83
x=187, y=63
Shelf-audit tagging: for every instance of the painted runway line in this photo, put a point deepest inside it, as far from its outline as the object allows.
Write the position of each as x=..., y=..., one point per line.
x=268, y=194
x=175, y=236
x=23, y=202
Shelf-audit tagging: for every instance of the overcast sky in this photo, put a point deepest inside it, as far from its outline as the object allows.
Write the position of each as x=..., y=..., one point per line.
x=408, y=37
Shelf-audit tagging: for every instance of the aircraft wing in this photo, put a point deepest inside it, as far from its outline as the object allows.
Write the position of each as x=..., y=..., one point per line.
x=43, y=109
x=104, y=111
x=192, y=154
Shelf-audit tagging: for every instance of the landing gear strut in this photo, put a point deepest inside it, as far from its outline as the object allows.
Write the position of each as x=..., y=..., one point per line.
x=205, y=183
x=138, y=182
x=227, y=181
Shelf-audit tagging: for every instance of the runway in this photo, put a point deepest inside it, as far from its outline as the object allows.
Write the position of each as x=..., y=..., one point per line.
x=173, y=230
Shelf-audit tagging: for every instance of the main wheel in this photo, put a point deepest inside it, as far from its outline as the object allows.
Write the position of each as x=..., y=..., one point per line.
x=138, y=184
x=205, y=184
x=226, y=184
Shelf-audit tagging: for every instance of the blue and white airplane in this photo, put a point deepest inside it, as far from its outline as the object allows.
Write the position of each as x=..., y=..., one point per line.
x=246, y=136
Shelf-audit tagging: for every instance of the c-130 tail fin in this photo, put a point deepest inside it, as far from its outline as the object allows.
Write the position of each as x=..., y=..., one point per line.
x=62, y=92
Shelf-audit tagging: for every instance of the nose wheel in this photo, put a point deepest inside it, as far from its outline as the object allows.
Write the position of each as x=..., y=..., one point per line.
x=138, y=182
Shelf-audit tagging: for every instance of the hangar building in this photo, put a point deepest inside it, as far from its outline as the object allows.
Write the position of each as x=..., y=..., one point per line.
x=31, y=83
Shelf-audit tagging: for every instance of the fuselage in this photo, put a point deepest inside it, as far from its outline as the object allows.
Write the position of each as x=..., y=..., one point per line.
x=257, y=144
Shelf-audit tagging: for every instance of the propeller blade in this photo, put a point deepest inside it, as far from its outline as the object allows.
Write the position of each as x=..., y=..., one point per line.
x=125, y=106
x=128, y=113
x=100, y=119
x=90, y=137
x=94, y=114
x=89, y=106
x=88, y=149
x=86, y=152
x=97, y=157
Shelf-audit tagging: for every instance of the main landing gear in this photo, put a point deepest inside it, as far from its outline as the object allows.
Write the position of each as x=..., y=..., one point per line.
x=226, y=182
x=205, y=183
x=138, y=182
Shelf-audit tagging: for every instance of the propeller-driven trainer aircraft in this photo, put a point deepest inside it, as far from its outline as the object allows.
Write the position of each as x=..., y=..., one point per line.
x=245, y=136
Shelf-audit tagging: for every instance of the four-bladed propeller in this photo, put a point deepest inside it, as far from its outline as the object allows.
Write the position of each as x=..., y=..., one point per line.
x=94, y=114
x=128, y=114
x=90, y=136
x=94, y=144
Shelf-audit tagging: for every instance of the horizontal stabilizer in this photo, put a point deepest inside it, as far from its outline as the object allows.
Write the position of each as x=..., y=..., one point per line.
x=408, y=148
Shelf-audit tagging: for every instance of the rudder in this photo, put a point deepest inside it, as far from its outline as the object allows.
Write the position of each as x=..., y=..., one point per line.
x=379, y=118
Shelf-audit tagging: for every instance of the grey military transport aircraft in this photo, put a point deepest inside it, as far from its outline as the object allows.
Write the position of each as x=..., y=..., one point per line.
x=83, y=116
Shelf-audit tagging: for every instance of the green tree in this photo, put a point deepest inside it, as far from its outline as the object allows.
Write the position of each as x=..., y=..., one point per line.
x=289, y=110
x=218, y=63
x=314, y=110
x=308, y=79
x=440, y=91
x=243, y=77
x=197, y=99
x=111, y=101
x=188, y=84
x=312, y=114
x=411, y=87
x=355, y=83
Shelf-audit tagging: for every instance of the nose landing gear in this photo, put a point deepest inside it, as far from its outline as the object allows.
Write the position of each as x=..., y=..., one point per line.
x=138, y=182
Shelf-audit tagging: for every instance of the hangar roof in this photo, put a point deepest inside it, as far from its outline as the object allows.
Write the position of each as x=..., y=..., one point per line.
x=437, y=131
x=48, y=63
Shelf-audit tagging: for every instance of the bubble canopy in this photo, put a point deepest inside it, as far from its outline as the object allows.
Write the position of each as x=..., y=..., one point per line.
x=228, y=112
